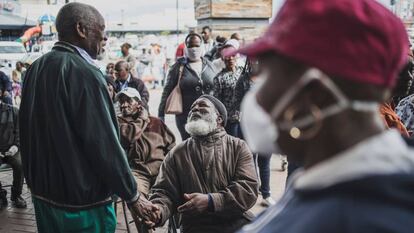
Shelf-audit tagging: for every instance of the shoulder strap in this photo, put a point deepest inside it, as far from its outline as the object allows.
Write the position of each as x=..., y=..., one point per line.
x=180, y=73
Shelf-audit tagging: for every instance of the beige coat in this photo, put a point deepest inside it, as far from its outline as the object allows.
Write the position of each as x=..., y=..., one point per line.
x=218, y=164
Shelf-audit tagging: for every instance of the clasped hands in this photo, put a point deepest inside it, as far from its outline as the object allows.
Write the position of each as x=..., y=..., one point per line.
x=195, y=203
x=149, y=213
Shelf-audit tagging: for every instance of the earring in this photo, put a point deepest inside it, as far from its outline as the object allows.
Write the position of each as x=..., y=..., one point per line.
x=302, y=134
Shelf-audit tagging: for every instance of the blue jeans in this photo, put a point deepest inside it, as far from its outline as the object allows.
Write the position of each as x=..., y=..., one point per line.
x=233, y=129
x=263, y=164
x=7, y=100
x=291, y=168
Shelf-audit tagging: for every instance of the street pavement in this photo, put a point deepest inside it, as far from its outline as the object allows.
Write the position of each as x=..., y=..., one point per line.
x=23, y=220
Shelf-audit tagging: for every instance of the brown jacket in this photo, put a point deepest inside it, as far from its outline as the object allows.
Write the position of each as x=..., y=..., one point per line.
x=146, y=140
x=218, y=164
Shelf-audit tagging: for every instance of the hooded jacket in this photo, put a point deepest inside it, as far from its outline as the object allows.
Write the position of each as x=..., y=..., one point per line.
x=218, y=164
x=367, y=188
x=71, y=154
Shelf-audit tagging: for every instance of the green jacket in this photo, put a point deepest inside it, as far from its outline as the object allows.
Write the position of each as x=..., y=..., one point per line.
x=70, y=148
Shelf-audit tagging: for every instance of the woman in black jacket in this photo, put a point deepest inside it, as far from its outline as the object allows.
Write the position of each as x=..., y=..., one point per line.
x=243, y=85
x=197, y=79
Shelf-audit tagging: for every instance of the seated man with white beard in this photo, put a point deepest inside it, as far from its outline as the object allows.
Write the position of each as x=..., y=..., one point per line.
x=209, y=178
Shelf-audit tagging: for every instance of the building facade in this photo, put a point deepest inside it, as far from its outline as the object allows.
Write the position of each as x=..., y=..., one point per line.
x=249, y=17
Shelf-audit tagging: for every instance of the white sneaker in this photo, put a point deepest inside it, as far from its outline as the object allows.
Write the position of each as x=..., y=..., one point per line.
x=268, y=202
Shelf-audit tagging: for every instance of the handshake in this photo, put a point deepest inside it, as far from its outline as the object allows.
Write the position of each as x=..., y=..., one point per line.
x=150, y=213
x=145, y=212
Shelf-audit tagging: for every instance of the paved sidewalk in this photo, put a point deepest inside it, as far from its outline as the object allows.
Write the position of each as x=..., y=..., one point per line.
x=23, y=220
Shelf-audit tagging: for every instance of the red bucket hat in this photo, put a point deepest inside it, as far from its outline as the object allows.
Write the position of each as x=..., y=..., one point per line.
x=359, y=40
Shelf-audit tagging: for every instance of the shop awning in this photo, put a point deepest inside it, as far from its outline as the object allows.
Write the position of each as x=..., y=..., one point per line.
x=9, y=21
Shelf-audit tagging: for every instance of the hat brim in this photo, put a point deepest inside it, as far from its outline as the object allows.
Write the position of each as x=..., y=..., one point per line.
x=117, y=96
x=255, y=49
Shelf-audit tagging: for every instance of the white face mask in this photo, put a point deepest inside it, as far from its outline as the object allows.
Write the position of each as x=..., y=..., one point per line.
x=194, y=53
x=260, y=131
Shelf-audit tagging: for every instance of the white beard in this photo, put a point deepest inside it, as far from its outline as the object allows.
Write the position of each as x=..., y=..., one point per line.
x=202, y=127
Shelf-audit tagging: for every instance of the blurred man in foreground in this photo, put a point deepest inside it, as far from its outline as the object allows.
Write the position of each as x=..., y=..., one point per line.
x=319, y=104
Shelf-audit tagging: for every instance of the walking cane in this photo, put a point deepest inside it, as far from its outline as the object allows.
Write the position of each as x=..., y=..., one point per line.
x=172, y=227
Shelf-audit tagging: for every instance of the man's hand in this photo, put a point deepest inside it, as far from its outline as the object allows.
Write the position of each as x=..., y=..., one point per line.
x=144, y=209
x=12, y=151
x=196, y=203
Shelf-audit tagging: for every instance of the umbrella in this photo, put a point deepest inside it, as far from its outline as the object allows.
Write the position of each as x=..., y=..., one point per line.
x=46, y=18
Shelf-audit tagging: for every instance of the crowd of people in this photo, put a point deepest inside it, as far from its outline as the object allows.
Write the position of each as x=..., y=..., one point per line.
x=150, y=66
x=11, y=87
x=342, y=113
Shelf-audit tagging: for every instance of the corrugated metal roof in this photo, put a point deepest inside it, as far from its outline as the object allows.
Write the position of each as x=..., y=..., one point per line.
x=9, y=21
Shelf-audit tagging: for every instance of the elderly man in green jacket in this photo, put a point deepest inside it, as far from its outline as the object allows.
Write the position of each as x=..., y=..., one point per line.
x=71, y=154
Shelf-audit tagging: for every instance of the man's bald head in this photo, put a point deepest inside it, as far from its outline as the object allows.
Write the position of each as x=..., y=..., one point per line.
x=71, y=14
x=81, y=25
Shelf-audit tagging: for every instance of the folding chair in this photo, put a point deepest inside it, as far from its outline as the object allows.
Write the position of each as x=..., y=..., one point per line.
x=116, y=201
x=172, y=226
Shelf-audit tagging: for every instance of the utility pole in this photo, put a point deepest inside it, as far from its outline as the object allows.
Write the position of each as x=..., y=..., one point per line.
x=178, y=25
x=122, y=18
